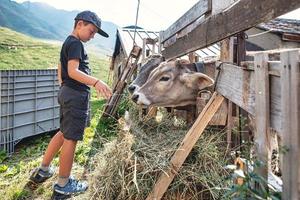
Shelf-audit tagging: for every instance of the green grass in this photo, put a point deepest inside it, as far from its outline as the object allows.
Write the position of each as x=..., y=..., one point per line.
x=15, y=170
x=18, y=51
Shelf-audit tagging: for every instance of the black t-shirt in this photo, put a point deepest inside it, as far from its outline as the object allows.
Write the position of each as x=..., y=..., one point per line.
x=73, y=48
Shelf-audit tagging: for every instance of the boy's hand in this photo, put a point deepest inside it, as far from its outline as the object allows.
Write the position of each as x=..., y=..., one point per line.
x=103, y=89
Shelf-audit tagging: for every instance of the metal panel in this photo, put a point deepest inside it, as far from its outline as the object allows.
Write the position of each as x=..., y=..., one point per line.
x=28, y=105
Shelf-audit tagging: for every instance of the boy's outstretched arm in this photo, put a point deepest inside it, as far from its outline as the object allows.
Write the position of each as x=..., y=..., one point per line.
x=78, y=75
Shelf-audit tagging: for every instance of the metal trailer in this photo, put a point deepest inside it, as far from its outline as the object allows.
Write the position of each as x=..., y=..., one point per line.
x=28, y=105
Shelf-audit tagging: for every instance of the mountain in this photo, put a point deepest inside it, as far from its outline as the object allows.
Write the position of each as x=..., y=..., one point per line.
x=46, y=22
x=14, y=16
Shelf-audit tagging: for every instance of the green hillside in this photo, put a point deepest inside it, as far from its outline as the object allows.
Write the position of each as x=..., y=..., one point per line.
x=43, y=21
x=18, y=51
x=13, y=15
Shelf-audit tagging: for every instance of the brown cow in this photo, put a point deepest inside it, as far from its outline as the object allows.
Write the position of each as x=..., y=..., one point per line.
x=172, y=84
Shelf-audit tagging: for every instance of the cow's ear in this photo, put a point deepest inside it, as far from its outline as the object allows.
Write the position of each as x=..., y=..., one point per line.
x=196, y=80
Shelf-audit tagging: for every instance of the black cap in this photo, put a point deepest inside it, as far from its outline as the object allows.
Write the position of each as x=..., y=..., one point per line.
x=91, y=17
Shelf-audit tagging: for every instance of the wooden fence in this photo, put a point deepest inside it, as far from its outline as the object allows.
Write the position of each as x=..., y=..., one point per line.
x=270, y=92
x=267, y=90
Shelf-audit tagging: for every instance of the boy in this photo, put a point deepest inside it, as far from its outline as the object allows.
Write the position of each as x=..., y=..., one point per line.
x=73, y=97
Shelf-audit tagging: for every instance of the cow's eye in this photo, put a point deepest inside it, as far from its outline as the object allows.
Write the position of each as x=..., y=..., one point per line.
x=164, y=78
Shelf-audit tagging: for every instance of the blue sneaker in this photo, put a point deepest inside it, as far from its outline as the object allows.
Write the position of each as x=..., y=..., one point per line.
x=39, y=176
x=73, y=187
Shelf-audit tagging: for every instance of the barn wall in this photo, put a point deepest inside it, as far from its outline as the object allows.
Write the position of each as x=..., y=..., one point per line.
x=269, y=41
x=118, y=61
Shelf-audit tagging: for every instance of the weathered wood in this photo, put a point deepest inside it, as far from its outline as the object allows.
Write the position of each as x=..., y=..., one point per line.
x=295, y=123
x=226, y=50
x=192, y=57
x=220, y=118
x=229, y=124
x=262, y=113
x=144, y=50
x=186, y=146
x=130, y=67
x=218, y=6
x=242, y=16
x=226, y=55
x=241, y=91
x=290, y=92
x=199, y=9
x=241, y=48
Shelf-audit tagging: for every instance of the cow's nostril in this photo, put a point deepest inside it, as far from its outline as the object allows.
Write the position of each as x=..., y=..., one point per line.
x=131, y=88
x=135, y=97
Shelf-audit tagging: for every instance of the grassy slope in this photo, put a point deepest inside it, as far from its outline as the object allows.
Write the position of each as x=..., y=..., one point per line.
x=14, y=171
x=18, y=51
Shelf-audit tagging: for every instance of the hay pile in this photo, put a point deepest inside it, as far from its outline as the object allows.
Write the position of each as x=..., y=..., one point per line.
x=129, y=166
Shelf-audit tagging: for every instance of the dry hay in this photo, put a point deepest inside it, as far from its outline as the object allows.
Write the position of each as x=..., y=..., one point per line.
x=130, y=165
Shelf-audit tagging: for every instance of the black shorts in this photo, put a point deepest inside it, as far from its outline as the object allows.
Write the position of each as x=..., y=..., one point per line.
x=74, y=106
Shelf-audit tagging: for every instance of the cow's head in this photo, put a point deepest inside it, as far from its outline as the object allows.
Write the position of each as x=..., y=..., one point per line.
x=151, y=63
x=171, y=84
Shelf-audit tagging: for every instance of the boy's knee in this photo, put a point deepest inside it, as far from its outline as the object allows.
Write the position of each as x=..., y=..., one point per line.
x=60, y=135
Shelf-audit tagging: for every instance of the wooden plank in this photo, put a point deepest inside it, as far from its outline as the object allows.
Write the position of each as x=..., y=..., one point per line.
x=186, y=146
x=241, y=91
x=275, y=104
x=199, y=9
x=240, y=17
x=262, y=113
x=295, y=123
x=220, y=118
x=286, y=174
x=290, y=124
x=229, y=124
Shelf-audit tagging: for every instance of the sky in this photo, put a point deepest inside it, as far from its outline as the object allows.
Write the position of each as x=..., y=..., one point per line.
x=154, y=15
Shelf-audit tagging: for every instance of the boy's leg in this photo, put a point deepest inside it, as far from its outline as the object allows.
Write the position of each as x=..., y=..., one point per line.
x=42, y=173
x=53, y=147
x=67, y=185
x=66, y=157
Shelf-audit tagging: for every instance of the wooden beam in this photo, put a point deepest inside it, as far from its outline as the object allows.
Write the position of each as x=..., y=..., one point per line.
x=199, y=9
x=262, y=113
x=242, y=16
x=186, y=146
x=290, y=103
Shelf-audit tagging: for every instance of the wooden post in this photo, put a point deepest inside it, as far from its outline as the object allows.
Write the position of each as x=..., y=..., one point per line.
x=186, y=146
x=144, y=50
x=242, y=114
x=192, y=57
x=290, y=94
x=262, y=112
x=227, y=56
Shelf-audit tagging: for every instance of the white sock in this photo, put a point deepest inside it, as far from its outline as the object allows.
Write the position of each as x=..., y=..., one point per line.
x=44, y=168
x=62, y=181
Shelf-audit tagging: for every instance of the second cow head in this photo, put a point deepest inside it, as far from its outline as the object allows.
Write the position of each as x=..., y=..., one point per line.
x=151, y=63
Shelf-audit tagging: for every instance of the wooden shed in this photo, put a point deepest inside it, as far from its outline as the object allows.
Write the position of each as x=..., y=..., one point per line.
x=275, y=34
x=124, y=43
